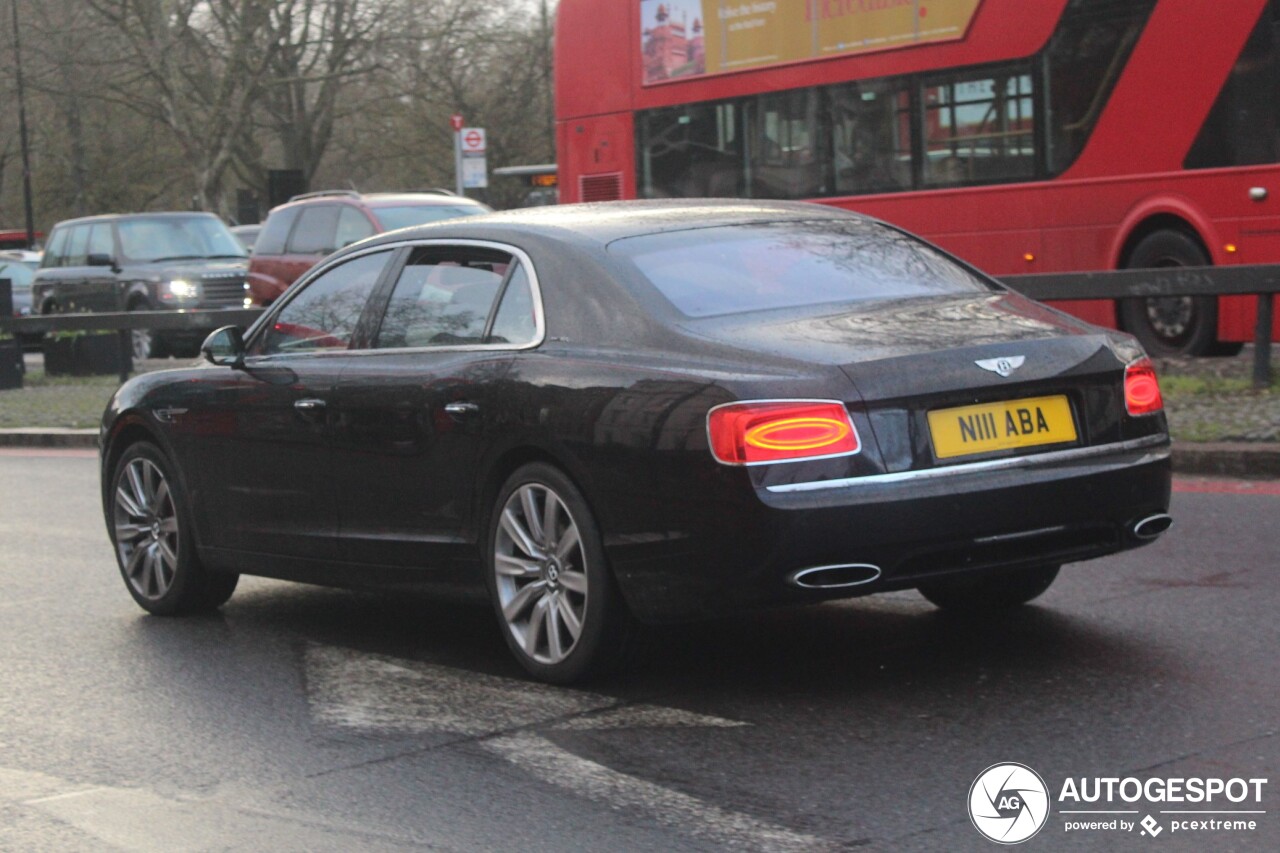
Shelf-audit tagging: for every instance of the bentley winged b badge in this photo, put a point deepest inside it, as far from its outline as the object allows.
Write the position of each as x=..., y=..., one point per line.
x=1003, y=366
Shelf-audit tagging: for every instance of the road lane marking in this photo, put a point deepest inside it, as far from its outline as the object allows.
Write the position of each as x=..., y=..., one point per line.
x=672, y=809
x=374, y=693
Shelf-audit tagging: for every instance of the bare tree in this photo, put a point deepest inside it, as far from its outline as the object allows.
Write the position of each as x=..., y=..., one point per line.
x=321, y=45
x=195, y=66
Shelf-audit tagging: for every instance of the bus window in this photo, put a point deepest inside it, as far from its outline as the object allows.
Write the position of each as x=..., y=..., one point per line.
x=786, y=158
x=979, y=129
x=871, y=136
x=1242, y=128
x=693, y=150
x=1084, y=59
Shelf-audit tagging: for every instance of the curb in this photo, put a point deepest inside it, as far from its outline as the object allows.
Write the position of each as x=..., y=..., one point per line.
x=49, y=438
x=1258, y=460
x=1248, y=460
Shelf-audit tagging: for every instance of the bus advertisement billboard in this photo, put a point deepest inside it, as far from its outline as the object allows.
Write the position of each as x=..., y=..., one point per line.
x=691, y=38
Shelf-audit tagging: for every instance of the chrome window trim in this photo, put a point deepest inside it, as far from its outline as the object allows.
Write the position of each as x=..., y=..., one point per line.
x=1034, y=460
x=540, y=323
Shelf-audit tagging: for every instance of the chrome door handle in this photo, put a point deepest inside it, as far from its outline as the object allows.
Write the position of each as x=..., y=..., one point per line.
x=461, y=408
x=309, y=405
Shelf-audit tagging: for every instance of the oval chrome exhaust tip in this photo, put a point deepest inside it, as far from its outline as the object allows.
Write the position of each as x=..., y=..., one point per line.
x=1152, y=526
x=834, y=577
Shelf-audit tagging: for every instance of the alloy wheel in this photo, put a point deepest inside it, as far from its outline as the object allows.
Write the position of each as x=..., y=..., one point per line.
x=146, y=527
x=541, y=573
x=141, y=340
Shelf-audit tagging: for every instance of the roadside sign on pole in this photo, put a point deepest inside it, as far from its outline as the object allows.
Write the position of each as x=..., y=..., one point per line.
x=472, y=144
x=455, y=121
x=473, y=140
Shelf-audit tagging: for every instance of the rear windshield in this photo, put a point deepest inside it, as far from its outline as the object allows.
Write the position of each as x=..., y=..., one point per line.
x=420, y=214
x=755, y=267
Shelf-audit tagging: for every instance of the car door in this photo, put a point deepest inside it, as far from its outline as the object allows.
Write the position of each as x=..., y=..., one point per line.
x=265, y=432
x=313, y=236
x=417, y=410
x=72, y=276
x=100, y=291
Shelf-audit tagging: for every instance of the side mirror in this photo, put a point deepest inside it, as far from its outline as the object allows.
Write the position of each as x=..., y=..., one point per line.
x=224, y=347
x=101, y=260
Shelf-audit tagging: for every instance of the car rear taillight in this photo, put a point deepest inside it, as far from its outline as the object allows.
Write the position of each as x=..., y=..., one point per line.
x=1141, y=390
x=780, y=431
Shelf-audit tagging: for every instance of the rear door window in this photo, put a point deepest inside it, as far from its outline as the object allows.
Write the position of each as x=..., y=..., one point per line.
x=274, y=234
x=443, y=297
x=316, y=231
x=353, y=226
x=517, y=320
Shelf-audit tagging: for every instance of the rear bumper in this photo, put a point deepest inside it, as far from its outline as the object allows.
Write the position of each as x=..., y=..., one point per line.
x=1046, y=508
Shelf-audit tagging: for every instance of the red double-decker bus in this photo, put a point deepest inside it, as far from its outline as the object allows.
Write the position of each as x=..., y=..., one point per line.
x=1025, y=137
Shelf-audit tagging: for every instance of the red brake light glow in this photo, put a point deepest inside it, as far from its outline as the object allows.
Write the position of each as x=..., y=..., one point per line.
x=780, y=431
x=1141, y=389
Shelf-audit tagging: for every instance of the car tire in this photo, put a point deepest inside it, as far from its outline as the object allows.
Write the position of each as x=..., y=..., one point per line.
x=557, y=604
x=1172, y=325
x=150, y=527
x=989, y=591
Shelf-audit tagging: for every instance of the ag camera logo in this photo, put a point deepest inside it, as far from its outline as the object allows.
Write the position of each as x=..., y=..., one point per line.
x=1008, y=803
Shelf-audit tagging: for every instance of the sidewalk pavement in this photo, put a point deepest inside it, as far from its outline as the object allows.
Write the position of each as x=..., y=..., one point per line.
x=1252, y=460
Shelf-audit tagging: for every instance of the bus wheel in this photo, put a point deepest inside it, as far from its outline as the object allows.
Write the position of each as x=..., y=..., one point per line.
x=1172, y=325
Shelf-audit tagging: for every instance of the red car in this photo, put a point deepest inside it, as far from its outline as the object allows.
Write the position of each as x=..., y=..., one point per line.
x=308, y=227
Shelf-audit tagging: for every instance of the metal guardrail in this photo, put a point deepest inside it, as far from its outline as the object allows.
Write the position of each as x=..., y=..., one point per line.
x=1245, y=280
x=124, y=322
x=1262, y=280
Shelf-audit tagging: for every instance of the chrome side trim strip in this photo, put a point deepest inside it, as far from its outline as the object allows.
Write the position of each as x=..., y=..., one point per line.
x=1036, y=460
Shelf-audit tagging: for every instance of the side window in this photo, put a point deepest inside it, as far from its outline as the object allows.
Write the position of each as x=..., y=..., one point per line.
x=980, y=129
x=692, y=150
x=275, y=232
x=515, y=323
x=1085, y=58
x=101, y=241
x=871, y=136
x=55, y=252
x=443, y=298
x=787, y=160
x=77, y=247
x=316, y=230
x=352, y=227
x=324, y=313
x=1243, y=128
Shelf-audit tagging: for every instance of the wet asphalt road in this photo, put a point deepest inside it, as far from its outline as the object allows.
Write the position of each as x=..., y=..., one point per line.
x=308, y=719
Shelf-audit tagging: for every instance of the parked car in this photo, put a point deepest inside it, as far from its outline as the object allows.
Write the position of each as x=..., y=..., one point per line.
x=639, y=410
x=16, y=239
x=18, y=266
x=247, y=235
x=297, y=235
x=143, y=262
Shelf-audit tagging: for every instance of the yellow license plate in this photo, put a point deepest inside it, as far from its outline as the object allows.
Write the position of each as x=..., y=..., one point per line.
x=967, y=430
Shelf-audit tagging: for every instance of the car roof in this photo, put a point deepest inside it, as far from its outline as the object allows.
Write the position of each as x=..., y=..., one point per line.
x=121, y=217
x=423, y=198
x=427, y=197
x=604, y=222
